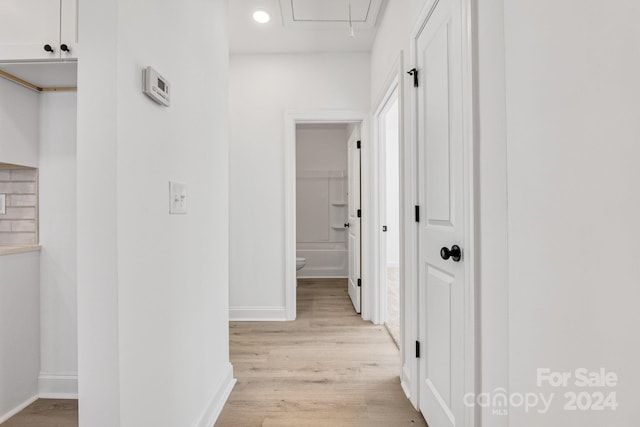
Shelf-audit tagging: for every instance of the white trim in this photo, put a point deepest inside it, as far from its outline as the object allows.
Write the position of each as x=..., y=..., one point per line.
x=18, y=408
x=58, y=386
x=291, y=118
x=257, y=314
x=214, y=408
x=471, y=356
x=323, y=277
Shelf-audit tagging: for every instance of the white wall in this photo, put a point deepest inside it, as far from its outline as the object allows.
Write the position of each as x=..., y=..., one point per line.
x=393, y=35
x=152, y=288
x=57, y=219
x=321, y=147
x=18, y=125
x=262, y=88
x=19, y=331
x=492, y=246
x=19, y=273
x=573, y=97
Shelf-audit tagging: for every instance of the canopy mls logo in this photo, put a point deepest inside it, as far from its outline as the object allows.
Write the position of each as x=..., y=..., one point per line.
x=585, y=391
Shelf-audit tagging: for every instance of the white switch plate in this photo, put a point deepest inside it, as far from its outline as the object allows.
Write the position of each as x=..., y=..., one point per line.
x=177, y=198
x=3, y=204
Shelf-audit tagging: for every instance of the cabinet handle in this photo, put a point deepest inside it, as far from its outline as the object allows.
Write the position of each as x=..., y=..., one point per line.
x=48, y=48
x=64, y=48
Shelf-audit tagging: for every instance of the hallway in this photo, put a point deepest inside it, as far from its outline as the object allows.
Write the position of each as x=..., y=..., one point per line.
x=327, y=368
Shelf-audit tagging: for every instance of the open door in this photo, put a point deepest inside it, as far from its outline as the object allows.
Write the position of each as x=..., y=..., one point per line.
x=354, y=219
x=443, y=216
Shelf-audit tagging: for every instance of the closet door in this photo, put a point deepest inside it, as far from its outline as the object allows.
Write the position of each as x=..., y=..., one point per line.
x=69, y=28
x=27, y=27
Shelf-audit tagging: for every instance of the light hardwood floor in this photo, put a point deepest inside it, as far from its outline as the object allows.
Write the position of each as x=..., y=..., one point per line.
x=46, y=413
x=327, y=368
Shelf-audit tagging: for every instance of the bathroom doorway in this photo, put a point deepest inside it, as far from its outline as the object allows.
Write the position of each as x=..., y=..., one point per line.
x=322, y=200
x=324, y=205
x=388, y=132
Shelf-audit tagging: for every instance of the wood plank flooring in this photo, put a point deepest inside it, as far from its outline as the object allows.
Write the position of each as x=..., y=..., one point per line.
x=327, y=368
x=46, y=413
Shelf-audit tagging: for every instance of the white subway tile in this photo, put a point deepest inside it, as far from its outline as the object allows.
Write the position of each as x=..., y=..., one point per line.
x=21, y=200
x=5, y=225
x=18, y=187
x=14, y=239
x=5, y=175
x=20, y=213
x=23, y=175
x=23, y=226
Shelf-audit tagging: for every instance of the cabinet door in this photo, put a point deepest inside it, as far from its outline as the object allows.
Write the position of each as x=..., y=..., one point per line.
x=26, y=26
x=69, y=28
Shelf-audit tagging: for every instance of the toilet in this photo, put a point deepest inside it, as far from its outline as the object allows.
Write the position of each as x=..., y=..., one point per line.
x=300, y=263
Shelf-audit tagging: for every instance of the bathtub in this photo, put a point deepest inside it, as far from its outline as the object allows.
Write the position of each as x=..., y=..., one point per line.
x=323, y=259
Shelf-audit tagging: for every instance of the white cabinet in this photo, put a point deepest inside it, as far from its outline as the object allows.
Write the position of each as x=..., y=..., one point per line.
x=38, y=29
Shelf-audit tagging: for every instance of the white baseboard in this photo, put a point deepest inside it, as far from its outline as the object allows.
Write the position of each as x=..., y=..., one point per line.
x=405, y=383
x=57, y=386
x=322, y=276
x=258, y=314
x=20, y=407
x=214, y=408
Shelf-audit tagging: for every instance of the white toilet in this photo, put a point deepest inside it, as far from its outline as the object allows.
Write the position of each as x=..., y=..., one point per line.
x=300, y=263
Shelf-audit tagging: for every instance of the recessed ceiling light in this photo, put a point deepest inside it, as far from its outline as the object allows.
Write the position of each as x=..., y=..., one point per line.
x=261, y=16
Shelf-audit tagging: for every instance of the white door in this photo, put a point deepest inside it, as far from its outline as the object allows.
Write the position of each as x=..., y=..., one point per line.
x=442, y=216
x=27, y=26
x=353, y=221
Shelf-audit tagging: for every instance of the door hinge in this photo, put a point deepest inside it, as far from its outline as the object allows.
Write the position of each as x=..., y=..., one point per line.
x=359, y=213
x=359, y=282
x=358, y=144
x=417, y=349
x=417, y=213
x=414, y=72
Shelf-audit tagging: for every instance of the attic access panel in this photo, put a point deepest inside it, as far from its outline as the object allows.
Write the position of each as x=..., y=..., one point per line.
x=329, y=14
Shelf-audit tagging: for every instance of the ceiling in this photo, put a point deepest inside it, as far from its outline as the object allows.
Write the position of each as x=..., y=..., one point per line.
x=303, y=26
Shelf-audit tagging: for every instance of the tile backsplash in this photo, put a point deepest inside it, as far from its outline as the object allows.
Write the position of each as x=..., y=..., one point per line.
x=19, y=223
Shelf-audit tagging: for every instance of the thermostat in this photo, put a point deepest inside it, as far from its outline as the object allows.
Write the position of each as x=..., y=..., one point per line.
x=155, y=86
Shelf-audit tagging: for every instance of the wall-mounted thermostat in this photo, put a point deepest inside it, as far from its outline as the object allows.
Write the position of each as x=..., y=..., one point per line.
x=155, y=86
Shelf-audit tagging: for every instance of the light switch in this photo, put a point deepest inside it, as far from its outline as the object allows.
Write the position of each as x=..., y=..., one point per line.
x=177, y=198
x=3, y=204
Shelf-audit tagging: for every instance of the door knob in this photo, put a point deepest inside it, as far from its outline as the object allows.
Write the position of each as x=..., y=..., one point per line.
x=48, y=48
x=455, y=253
x=346, y=225
x=64, y=48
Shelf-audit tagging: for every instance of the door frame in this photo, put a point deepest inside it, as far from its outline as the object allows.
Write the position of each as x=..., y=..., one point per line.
x=381, y=197
x=408, y=228
x=469, y=105
x=291, y=119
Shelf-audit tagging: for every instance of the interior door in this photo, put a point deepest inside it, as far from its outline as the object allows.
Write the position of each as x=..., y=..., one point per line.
x=441, y=226
x=27, y=26
x=353, y=222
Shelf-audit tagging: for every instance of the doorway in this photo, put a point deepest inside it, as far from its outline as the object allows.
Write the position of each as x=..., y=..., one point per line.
x=338, y=222
x=388, y=122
